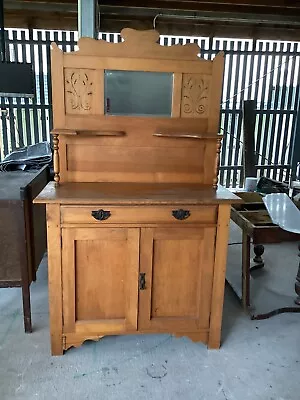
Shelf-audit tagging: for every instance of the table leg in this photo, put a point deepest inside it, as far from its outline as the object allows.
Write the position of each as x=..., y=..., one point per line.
x=246, y=271
x=26, y=308
x=297, y=283
x=24, y=259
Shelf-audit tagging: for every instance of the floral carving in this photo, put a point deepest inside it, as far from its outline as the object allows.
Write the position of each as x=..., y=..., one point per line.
x=194, y=96
x=79, y=90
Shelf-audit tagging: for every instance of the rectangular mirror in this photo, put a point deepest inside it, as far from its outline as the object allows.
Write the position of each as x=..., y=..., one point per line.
x=138, y=93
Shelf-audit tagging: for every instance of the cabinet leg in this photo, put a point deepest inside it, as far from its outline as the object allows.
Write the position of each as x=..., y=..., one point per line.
x=246, y=271
x=297, y=283
x=56, y=345
x=26, y=308
x=217, y=298
x=214, y=341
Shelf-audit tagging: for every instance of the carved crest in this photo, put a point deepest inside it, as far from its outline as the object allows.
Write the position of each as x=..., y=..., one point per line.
x=136, y=44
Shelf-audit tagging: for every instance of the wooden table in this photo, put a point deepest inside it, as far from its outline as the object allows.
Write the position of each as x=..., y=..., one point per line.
x=256, y=224
x=22, y=232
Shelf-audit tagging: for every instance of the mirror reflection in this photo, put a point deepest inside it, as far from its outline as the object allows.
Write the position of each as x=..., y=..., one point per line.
x=138, y=93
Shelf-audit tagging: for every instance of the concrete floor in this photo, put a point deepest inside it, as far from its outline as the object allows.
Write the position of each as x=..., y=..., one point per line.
x=259, y=360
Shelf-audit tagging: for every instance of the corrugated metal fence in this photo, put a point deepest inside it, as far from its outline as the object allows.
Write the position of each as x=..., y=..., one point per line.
x=266, y=71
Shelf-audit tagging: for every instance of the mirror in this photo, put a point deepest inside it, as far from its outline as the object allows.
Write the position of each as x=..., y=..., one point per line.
x=138, y=93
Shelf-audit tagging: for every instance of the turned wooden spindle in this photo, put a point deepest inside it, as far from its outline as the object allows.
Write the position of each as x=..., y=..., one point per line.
x=215, y=181
x=56, y=158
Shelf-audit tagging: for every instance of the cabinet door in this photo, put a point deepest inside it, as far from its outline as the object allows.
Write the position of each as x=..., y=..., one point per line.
x=178, y=267
x=100, y=279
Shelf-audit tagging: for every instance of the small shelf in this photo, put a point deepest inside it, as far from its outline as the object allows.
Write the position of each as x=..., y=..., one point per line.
x=88, y=133
x=185, y=135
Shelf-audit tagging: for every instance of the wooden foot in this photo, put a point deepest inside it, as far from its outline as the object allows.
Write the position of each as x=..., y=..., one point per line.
x=297, y=283
x=57, y=345
x=259, y=251
x=214, y=340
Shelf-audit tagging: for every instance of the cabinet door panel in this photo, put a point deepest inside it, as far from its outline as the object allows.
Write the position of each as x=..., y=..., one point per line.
x=178, y=267
x=100, y=277
x=100, y=266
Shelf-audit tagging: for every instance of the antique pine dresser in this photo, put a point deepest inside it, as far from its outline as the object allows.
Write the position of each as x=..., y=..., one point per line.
x=137, y=228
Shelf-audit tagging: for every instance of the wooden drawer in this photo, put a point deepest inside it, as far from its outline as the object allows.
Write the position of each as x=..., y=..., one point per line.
x=138, y=214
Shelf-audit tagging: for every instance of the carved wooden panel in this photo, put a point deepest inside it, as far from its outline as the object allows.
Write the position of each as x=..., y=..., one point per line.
x=195, y=96
x=79, y=90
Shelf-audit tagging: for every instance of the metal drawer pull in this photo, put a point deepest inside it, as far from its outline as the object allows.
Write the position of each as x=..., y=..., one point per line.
x=142, y=281
x=101, y=215
x=181, y=214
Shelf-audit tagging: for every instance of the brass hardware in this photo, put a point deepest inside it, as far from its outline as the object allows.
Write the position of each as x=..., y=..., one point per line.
x=101, y=215
x=181, y=214
x=142, y=281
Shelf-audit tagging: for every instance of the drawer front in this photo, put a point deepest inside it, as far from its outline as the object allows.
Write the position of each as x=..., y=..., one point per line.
x=104, y=215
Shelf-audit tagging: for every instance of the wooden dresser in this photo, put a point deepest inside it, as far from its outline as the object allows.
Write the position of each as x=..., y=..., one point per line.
x=137, y=228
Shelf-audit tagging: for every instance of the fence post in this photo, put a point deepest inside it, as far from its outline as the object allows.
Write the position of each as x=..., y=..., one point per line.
x=249, y=154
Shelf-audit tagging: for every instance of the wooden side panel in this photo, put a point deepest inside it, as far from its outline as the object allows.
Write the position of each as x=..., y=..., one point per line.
x=68, y=279
x=210, y=170
x=178, y=264
x=100, y=278
x=54, y=278
x=219, y=276
x=10, y=254
x=57, y=77
x=215, y=93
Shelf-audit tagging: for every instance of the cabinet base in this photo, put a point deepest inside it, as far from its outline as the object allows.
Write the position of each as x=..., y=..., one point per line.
x=69, y=340
x=76, y=340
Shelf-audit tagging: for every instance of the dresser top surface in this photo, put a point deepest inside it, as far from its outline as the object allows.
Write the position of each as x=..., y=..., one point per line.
x=133, y=193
